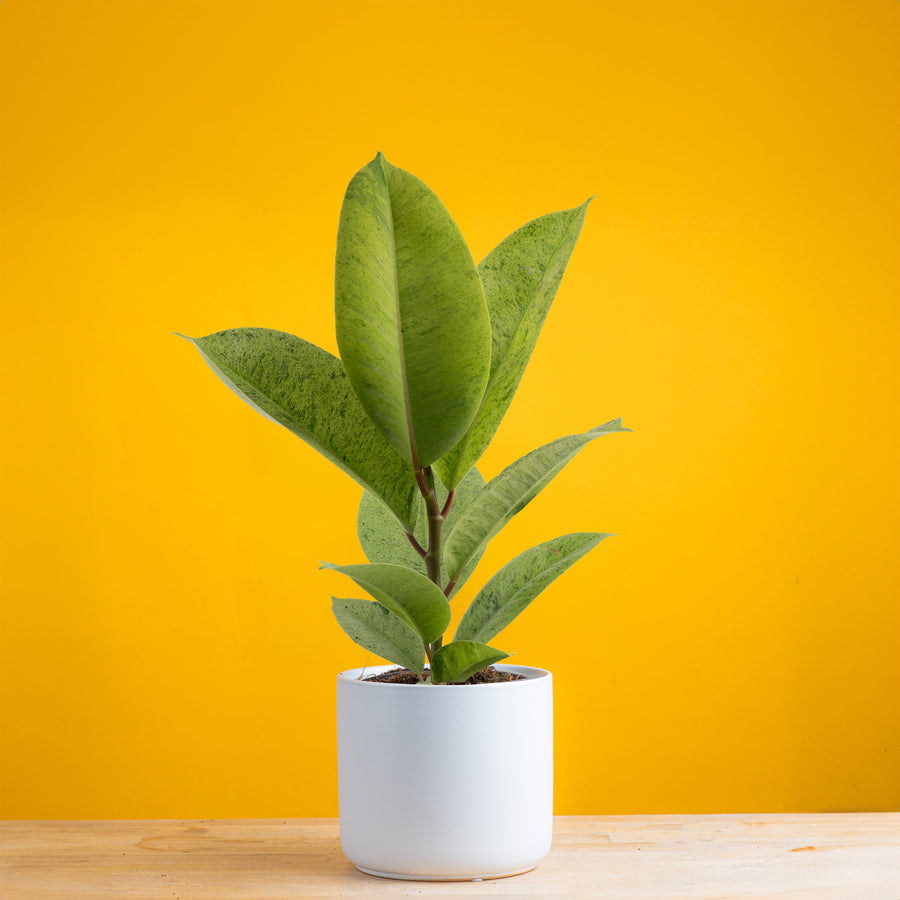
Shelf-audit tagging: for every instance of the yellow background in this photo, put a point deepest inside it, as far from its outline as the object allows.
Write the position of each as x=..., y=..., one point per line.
x=167, y=642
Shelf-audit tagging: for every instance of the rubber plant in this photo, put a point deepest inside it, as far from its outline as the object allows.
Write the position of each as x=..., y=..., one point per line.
x=432, y=349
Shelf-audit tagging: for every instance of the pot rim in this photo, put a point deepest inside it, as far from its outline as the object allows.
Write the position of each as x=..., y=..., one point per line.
x=356, y=676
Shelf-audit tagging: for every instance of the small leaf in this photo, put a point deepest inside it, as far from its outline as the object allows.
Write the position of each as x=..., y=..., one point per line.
x=384, y=541
x=412, y=325
x=456, y=662
x=519, y=582
x=407, y=594
x=513, y=489
x=376, y=628
x=520, y=278
x=305, y=389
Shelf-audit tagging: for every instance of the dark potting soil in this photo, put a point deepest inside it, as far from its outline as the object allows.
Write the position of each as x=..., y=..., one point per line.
x=490, y=675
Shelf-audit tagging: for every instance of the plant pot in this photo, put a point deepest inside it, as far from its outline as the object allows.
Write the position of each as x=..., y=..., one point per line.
x=445, y=782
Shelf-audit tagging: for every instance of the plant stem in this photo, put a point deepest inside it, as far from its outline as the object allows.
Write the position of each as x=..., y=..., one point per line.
x=416, y=545
x=432, y=555
x=450, y=498
x=435, y=524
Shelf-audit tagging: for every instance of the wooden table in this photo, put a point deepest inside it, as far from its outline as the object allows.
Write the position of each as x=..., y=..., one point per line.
x=852, y=856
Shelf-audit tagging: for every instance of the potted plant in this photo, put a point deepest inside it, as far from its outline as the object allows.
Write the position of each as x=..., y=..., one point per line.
x=448, y=776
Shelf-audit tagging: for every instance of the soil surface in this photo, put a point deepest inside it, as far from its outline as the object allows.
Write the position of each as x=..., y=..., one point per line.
x=490, y=675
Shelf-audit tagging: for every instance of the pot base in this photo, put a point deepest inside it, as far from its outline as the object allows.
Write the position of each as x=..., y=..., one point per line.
x=445, y=877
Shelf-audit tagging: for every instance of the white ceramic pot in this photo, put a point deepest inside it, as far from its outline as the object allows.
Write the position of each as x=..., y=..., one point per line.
x=445, y=782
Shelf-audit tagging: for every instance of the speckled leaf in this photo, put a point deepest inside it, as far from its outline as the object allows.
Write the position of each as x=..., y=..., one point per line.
x=520, y=279
x=519, y=582
x=380, y=631
x=412, y=325
x=384, y=541
x=305, y=388
x=407, y=594
x=515, y=487
x=456, y=662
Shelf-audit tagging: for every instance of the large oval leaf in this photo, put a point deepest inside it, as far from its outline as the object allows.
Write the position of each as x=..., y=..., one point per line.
x=384, y=541
x=376, y=628
x=412, y=325
x=454, y=663
x=520, y=279
x=515, y=487
x=305, y=388
x=519, y=582
x=409, y=595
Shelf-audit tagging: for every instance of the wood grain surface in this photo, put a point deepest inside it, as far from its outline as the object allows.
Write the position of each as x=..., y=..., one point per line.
x=853, y=856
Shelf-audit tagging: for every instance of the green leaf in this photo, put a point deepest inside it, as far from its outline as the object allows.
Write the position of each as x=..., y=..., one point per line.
x=304, y=388
x=519, y=582
x=412, y=325
x=454, y=663
x=407, y=594
x=384, y=541
x=520, y=279
x=376, y=628
x=513, y=489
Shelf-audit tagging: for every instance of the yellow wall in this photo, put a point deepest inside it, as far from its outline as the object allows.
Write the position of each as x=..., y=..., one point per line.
x=166, y=641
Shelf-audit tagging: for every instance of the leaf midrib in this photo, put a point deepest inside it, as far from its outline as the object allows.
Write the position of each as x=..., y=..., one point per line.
x=404, y=381
x=531, y=494
x=240, y=380
x=541, y=287
x=498, y=615
x=398, y=650
x=516, y=331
